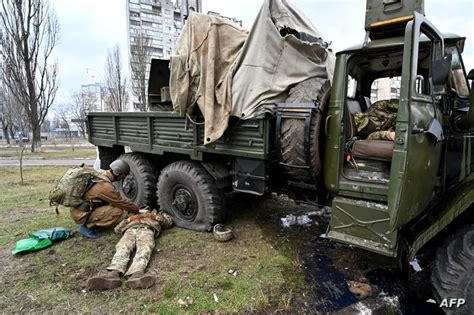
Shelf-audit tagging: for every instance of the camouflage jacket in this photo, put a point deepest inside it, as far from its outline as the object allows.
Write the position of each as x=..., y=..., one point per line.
x=155, y=221
x=381, y=116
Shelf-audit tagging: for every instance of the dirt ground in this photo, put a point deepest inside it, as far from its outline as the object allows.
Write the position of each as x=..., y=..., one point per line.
x=279, y=261
x=247, y=274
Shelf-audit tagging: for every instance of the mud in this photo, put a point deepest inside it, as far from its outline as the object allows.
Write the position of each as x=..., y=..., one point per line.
x=328, y=265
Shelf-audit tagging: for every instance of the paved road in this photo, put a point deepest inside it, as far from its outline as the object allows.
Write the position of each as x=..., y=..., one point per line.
x=76, y=145
x=47, y=162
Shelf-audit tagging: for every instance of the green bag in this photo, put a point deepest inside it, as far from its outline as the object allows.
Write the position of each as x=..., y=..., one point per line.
x=31, y=244
x=41, y=239
x=54, y=234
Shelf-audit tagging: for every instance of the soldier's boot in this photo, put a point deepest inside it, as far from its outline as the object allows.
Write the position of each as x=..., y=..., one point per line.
x=88, y=232
x=110, y=280
x=140, y=280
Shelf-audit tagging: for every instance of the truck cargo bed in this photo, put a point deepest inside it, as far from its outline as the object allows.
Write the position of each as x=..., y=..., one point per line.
x=160, y=132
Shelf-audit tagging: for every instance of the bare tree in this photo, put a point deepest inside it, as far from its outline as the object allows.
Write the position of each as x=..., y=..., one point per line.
x=14, y=121
x=82, y=103
x=140, y=57
x=63, y=121
x=115, y=81
x=4, y=116
x=29, y=32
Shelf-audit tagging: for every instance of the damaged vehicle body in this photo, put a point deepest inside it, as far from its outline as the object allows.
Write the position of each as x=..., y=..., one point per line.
x=280, y=116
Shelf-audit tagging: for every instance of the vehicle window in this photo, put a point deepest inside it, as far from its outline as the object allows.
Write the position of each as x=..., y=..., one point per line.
x=351, y=87
x=427, y=52
x=385, y=89
x=458, y=80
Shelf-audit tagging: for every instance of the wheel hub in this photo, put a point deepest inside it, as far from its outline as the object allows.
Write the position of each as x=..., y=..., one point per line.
x=184, y=202
x=129, y=186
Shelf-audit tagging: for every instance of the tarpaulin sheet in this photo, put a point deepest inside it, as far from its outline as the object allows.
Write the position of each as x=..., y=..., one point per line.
x=270, y=64
x=228, y=71
x=201, y=70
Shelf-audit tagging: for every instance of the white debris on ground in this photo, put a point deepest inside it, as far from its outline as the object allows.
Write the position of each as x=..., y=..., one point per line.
x=291, y=219
x=392, y=301
x=415, y=265
x=362, y=309
x=186, y=302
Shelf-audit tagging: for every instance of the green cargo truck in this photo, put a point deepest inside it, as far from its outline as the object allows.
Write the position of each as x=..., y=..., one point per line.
x=394, y=198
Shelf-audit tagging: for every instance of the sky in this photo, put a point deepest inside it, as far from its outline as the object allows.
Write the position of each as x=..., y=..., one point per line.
x=89, y=28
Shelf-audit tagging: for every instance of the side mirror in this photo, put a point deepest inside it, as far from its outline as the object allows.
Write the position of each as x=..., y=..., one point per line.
x=470, y=75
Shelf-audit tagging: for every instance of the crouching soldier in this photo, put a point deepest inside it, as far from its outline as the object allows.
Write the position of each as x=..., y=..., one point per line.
x=107, y=205
x=139, y=231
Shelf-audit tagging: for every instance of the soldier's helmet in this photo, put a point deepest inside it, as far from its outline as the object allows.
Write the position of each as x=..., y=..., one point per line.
x=120, y=167
x=222, y=233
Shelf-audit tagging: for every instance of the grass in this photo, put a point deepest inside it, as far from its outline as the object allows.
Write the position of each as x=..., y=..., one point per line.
x=51, y=152
x=76, y=148
x=189, y=265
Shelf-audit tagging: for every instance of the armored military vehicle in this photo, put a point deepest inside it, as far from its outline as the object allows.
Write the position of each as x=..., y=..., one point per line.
x=394, y=198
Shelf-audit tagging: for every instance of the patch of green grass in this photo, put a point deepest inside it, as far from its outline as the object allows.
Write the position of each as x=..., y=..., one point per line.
x=168, y=292
x=51, y=153
x=189, y=265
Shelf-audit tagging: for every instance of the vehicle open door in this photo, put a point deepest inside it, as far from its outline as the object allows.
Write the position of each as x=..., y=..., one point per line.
x=419, y=134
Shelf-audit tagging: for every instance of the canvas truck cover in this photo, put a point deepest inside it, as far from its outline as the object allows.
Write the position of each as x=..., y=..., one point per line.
x=229, y=71
x=202, y=69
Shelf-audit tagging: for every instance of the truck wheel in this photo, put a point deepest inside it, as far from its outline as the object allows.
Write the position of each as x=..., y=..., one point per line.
x=140, y=185
x=452, y=275
x=187, y=192
x=293, y=134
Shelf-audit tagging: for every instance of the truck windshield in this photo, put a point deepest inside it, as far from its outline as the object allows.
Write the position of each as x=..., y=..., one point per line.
x=458, y=81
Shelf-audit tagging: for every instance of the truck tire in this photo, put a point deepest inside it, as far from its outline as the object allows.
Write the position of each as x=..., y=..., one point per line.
x=187, y=192
x=293, y=151
x=140, y=185
x=452, y=275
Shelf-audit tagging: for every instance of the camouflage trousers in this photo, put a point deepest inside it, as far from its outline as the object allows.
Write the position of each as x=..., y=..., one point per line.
x=141, y=238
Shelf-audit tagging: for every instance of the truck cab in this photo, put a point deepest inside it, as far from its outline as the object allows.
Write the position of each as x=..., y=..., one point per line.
x=379, y=187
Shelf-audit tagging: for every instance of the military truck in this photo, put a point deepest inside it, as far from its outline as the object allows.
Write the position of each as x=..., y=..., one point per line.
x=394, y=198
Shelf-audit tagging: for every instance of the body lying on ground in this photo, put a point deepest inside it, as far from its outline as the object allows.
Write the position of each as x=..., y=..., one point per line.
x=138, y=233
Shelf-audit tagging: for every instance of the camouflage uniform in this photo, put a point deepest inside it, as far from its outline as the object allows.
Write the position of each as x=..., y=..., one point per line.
x=139, y=232
x=114, y=207
x=378, y=121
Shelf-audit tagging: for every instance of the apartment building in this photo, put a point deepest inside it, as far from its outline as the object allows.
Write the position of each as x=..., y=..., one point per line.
x=155, y=25
x=95, y=95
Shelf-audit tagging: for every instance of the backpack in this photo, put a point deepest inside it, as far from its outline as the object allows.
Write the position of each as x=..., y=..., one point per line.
x=72, y=186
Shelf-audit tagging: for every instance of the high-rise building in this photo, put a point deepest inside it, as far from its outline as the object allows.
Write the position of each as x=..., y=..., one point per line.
x=154, y=27
x=95, y=95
